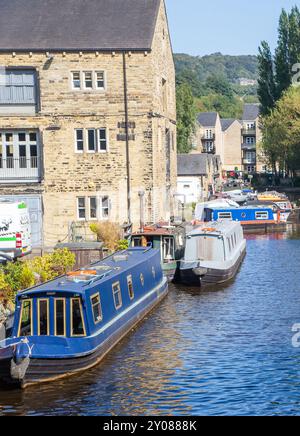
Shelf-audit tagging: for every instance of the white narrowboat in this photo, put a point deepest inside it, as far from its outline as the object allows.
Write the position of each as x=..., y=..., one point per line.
x=213, y=254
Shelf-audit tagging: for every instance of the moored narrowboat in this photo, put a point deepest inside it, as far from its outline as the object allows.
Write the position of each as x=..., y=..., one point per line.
x=213, y=254
x=250, y=216
x=170, y=240
x=69, y=324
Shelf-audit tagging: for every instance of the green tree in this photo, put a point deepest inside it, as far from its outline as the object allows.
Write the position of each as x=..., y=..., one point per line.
x=186, y=117
x=266, y=82
x=219, y=85
x=282, y=56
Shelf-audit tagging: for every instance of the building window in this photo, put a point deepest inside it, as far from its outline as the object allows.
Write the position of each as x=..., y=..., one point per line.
x=250, y=140
x=93, y=208
x=102, y=140
x=100, y=79
x=208, y=134
x=88, y=79
x=96, y=308
x=81, y=208
x=76, y=80
x=18, y=87
x=19, y=151
x=117, y=295
x=91, y=140
x=104, y=207
x=79, y=140
x=97, y=207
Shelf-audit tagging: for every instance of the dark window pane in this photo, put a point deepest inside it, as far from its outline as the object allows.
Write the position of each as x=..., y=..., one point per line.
x=91, y=140
x=43, y=318
x=32, y=137
x=60, y=323
x=22, y=137
x=93, y=207
x=77, y=321
x=26, y=321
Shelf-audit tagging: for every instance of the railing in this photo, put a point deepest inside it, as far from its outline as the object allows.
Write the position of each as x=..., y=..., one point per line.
x=209, y=150
x=251, y=161
x=20, y=170
x=206, y=137
x=248, y=132
x=248, y=146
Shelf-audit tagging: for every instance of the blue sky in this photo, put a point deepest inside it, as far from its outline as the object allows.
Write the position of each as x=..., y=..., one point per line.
x=200, y=27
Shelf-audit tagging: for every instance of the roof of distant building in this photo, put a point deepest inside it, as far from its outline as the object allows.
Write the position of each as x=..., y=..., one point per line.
x=193, y=164
x=226, y=123
x=77, y=24
x=251, y=112
x=207, y=119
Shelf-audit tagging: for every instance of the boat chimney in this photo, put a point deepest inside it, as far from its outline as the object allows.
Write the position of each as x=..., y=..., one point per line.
x=142, y=209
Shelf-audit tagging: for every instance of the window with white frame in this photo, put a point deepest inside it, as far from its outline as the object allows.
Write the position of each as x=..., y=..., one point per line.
x=250, y=140
x=79, y=140
x=81, y=208
x=93, y=208
x=91, y=140
x=100, y=79
x=76, y=80
x=88, y=80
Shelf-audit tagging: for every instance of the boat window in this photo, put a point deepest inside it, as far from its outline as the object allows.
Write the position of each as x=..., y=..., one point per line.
x=60, y=317
x=77, y=323
x=225, y=215
x=136, y=242
x=232, y=241
x=43, y=318
x=96, y=308
x=262, y=215
x=117, y=295
x=169, y=248
x=130, y=287
x=25, y=327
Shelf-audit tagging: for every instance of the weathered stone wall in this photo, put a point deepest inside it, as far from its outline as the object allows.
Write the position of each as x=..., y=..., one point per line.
x=232, y=138
x=67, y=174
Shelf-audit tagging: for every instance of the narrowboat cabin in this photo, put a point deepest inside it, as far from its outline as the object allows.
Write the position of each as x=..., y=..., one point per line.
x=69, y=324
x=255, y=217
x=169, y=240
x=213, y=254
x=281, y=200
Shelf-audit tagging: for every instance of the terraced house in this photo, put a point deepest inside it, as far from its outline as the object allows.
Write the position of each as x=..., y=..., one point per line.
x=87, y=111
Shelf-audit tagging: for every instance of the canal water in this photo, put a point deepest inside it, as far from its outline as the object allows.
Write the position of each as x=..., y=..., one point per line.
x=221, y=351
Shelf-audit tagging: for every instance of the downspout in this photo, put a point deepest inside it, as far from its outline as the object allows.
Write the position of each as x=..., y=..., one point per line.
x=127, y=139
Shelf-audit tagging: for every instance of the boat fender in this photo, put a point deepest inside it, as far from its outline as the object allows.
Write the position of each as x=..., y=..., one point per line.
x=18, y=369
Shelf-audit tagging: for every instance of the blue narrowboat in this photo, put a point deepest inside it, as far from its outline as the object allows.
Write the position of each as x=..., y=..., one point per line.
x=248, y=216
x=69, y=324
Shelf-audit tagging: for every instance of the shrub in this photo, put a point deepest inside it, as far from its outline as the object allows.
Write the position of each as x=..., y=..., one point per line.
x=15, y=276
x=108, y=233
x=123, y=244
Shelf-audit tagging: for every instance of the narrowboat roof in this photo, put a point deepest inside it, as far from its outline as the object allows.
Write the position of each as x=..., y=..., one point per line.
x=107, y=269
x=158, y=231
x=215, y=228
x=257, y=207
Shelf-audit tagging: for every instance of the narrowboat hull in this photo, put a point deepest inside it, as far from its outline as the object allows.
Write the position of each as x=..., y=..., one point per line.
x=38, y=370
x=209, y=276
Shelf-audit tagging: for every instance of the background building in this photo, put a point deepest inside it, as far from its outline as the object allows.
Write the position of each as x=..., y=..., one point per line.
x=87, y=112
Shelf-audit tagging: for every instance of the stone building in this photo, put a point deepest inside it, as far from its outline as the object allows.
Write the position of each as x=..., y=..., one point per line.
x=231, y=137
x=251, y=135
x=87, y=112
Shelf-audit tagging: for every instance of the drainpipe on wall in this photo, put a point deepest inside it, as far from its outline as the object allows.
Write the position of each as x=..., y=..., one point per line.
x=142, y=210
x=127, y=139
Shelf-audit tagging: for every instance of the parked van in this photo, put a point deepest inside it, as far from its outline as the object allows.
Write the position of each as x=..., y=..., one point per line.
x=15, y=229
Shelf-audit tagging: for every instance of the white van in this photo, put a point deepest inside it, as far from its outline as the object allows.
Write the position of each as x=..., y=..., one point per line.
x=15, y=229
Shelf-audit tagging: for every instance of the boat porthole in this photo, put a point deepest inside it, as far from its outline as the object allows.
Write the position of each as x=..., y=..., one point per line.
x=153, y=272
x=243, y=215
x=142, y=279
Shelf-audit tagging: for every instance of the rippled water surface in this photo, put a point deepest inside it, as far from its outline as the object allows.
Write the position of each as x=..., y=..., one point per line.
x=220, y=351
